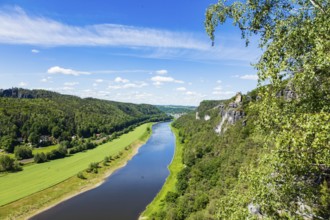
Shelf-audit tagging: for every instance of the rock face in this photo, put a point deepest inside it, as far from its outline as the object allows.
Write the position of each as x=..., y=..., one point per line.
x=207, y=117
x=231, y=114
x=288, y=93
x=238, y=98
x=197, y=116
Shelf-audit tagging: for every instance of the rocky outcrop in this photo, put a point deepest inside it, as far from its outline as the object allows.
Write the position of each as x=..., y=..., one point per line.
x=230, y=114
x=197, y=116
x=207, y=117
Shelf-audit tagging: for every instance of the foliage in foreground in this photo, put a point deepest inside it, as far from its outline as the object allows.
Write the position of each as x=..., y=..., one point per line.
x=278, y=166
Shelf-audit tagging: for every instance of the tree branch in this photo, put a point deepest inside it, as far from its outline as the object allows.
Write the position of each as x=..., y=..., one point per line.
x=317, y=5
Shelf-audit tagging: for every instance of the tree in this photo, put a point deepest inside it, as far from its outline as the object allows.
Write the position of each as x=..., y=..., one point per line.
x=294, y=110
x=8, y=164
x=33, y=138
x=8, y=144
x=40, y=157
x=23, y=152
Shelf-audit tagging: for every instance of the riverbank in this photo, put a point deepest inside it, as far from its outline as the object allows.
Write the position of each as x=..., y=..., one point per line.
x=70, y=187
x=169, y=186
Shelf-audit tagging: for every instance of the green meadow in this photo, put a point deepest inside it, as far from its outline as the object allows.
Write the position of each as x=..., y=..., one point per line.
x=37, y=177
x=169, y=185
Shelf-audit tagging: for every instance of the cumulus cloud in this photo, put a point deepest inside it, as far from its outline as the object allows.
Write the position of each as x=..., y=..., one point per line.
x=99, y=80
x=35, y=51
x=181, y=89
x=161, y=72
x=121, y=80
x=159, y=80
x=249, y=77
x=71, y=83
x=60, y=70
x=128, y=86
x=191, y=93
x=18, y=27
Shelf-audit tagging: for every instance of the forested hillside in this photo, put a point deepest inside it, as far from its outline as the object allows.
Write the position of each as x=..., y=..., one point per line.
x=42, y=117
x=268, y=156
x=175, y=109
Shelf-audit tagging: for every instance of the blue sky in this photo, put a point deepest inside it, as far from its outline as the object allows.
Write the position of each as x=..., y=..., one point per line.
x=146, y=51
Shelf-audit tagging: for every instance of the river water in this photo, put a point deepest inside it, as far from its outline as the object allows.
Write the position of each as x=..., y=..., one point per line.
x=126, y=193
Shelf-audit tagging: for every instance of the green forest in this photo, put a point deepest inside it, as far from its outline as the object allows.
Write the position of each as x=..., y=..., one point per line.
x=265, y=155
x=38, y=118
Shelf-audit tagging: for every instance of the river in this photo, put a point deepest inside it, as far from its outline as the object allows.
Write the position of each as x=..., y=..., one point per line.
x=127, y=192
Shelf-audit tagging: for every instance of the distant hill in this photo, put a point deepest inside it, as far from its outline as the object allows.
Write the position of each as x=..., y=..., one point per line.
x=176, y=109
x=38, y=116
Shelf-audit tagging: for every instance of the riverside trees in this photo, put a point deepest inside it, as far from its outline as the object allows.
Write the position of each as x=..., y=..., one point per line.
x=292, y=180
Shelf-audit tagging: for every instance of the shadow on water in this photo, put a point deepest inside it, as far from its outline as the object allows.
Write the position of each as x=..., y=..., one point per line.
x=126, y=193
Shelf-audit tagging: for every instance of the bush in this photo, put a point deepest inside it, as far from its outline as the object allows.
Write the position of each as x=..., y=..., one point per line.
x=8, y=164
x=106, y=161
x=66, y=144
x=23, y=152
x=93, y=167
x=80, y=175
x=40, y=158
x=60, y=152
x=171, y=197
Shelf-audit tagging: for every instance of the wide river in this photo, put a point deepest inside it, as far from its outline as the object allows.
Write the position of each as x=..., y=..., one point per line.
x=127, y=192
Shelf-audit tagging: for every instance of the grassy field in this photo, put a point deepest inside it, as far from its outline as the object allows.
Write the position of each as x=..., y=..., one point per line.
x=170, y=182
x=44, y=149
x=36, y=150
x=37, y=177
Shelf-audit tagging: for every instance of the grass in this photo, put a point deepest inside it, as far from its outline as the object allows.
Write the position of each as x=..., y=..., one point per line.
x=45, y=149
x=169, y=185
x=35, y=150
x=38, y=177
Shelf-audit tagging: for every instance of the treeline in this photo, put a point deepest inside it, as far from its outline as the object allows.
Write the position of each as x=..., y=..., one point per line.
x=175, y=109
x=42, y=117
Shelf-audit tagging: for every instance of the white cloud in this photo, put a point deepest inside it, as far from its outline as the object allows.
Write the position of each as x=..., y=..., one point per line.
x=181, y=89
x=35, y=51
x=161, y=72
x=18, y=27
x=128, y=86
x=71, y=83
x=159, y=80
x=60, y=70
x=121, y=80
x=191, y=93
x=99, y=80
x=23, y=84
x=219, y=81
x=249, y=77
x=47, y=79
x=218, y=88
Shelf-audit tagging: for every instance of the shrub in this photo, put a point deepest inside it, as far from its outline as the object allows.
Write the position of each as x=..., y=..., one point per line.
x=60, y=152
x=40, y=158
x=8, y=164
x=171, y=197
x=80, y=175
x=106, y=161
x=93, y=167
x=23, y=152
